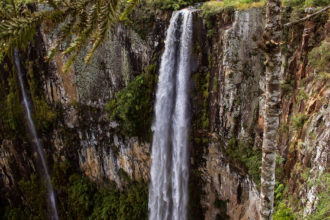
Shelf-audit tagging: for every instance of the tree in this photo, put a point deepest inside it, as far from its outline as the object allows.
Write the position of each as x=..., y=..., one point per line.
x=78, y=21
x=271, y=44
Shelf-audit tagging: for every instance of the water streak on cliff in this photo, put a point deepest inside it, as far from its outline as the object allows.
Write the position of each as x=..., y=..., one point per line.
x=169, y=169
x=51, y=195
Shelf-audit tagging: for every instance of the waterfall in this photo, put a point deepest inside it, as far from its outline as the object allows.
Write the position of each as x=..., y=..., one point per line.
x=169, y=168
x=51, y=195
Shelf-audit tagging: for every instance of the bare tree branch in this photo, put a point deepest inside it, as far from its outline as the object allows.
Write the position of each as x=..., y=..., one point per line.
x=307, y=17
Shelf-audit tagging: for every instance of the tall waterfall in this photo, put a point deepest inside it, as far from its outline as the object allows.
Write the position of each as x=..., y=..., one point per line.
x=169, y=168
x=34, y=134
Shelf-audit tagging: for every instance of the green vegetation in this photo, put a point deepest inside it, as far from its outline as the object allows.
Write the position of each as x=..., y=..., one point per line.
x=306, y=3
x=298, y=120
x=323, y=209
x=34, y=200
x=202, y=84
x=43, y=115
x=133, y=106
x=11, y=110
x=79, y=22
x=287, y=86
x=80, y=198
x=242, y=151
x=212, y=11
x=302, y=95
x=319, y=57
x=282, y=212
x=218, y=6
x=172, y=4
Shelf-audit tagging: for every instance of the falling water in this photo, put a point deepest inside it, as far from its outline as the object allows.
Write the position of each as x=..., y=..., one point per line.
x=33, y=131
x=169, y=168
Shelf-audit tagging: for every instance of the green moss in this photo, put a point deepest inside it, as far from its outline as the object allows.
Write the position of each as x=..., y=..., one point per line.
x=133, y=106
x=242, y=152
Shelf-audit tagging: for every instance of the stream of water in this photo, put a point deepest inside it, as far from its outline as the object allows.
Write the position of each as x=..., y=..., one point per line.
x=51, y=195
x=168, y=191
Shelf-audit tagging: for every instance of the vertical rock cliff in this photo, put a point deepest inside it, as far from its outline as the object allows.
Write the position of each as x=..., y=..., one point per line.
x=84, y=117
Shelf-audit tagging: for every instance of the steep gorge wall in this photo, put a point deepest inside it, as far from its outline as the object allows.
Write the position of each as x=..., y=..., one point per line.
x=227, y=123
x=237, y=76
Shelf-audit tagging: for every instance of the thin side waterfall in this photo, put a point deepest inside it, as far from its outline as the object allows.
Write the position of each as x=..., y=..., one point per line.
x=51, y=195
x=168, y=192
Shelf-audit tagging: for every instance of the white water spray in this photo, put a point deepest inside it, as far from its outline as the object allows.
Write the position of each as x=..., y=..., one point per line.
x=51, y=195
x=169, y=169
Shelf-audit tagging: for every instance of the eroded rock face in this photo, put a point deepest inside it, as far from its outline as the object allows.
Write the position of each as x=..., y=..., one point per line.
x=238, y=78
x=316, y=152
x=88, y=139
x=97, y=148
x=129, y=155
x=242, y=72
x=225, y=183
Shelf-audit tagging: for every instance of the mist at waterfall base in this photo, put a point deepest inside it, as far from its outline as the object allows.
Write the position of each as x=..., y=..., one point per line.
x=168, y=191
x=32, y=129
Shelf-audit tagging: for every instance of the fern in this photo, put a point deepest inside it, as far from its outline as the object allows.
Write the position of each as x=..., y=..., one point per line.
x=78, y=21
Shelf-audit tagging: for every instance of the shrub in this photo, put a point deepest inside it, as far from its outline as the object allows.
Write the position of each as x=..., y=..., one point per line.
x=298, y=120
x=319, y=57
x=133, y=106
x=242, y=152
x=323, y=208
x=283, y=213
x=11, y=110
x=80, y=199
x=287, y=86
x=35, y=197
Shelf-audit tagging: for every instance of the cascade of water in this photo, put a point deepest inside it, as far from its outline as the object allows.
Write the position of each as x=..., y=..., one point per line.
x=169, y=168
x=33, y=131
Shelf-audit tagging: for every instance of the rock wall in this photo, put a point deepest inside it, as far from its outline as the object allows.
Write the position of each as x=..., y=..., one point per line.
x=237, y=76
x=84, y=91
x=304, y=129
x=228, y=97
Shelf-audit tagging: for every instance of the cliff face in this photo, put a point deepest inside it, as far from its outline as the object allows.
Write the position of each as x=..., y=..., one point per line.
x=227, y=121
x=236, y=73
x=101, y=150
